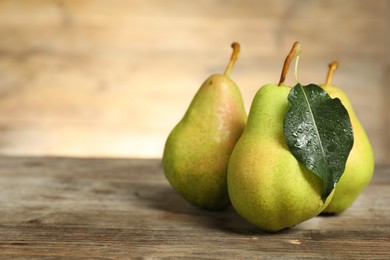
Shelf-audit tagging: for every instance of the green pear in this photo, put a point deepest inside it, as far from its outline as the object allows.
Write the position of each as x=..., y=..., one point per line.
x=360, y=164
x=197, y=151
x=266, y=184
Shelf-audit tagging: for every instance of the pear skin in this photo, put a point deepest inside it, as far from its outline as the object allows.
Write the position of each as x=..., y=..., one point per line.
x=359, y=168
x=197, y=151
x=266, y=184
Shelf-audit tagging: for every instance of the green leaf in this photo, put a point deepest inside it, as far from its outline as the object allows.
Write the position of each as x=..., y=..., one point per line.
x=319, y=133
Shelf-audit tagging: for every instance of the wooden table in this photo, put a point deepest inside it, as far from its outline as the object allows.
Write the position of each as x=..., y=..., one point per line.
x=124, y=208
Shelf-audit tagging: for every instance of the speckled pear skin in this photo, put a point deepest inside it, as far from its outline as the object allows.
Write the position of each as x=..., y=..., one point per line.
x=197, y=151
x=359, y=168
x=266, y=184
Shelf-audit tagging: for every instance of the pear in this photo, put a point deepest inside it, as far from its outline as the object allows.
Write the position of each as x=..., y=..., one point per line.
x=360, y=164
x=266, y=184
x=197, y=151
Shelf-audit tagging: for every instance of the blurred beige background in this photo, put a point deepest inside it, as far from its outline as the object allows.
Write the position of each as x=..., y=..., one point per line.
x=112, y=78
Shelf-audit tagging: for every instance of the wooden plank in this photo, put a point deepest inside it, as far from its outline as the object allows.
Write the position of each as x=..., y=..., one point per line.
x=386, y=114
x=124, y=208
x=92, y=78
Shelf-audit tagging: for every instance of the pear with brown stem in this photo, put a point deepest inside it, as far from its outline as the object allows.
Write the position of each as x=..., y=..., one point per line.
x=197, y=151
x=360, y=164
x=267, y=185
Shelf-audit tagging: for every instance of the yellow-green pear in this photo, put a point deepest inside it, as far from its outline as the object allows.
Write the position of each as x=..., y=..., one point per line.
x=266, y=184
x=197, y=151
x=360, y=164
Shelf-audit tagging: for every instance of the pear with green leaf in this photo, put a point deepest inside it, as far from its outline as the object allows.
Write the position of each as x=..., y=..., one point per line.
x=267, y=185
x=197, y=151
x=360, y=164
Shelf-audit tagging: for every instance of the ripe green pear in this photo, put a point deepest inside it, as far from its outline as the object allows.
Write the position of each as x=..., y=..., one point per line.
x=359, y=168
x=266, y=184
x=197, y=151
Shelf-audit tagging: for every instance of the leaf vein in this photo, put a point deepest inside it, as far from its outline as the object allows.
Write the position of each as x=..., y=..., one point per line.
x=315, y=124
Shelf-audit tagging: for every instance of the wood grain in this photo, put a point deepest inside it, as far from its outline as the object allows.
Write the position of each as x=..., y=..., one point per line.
x=98, y=78
x=66, y=208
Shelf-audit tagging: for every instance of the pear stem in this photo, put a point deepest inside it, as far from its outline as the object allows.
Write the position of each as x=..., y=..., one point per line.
x=332, y=67
x=295, y=52
x=233, y=58
x=296, y=69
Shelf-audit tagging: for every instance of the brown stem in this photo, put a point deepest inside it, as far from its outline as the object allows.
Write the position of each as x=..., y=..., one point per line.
x=332, y=67
x=295, y=51
x=233, y=58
